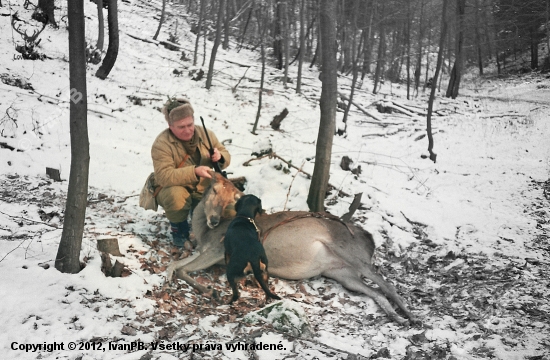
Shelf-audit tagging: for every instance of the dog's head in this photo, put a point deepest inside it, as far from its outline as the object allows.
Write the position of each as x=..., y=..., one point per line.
x=249, y=205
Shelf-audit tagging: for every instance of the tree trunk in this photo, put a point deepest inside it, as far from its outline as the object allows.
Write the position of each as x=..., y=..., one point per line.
x=162, y=15
x=100, y=26
x=428, y=51
x=355, y=71
x=277, y=35
x=199, y=29
x=68, y=253
x=433, y=156
x=534, y=49
x=321, y=171
x=262, y=78
x=408, y=42
x=548, y=29
x=381, y=55
x=456, y=72
x=217, y=40
x=112, y=49
x=302, y=47
x=250, y=11
x=418, y=67
x=225, y=45
x=478, y=39
x=286, y=34
x=369, y=41
x=48, y=7
x=356, y=54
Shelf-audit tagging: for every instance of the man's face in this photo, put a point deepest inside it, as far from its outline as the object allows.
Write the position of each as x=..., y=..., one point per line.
x=183, y=129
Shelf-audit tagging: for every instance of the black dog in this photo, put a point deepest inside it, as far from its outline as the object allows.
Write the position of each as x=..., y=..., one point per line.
x=243, y=250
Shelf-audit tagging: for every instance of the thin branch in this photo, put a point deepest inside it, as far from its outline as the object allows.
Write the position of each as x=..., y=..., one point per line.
x=290, y=187
x=274, y=155
x=9, y=252
x=233, y=89
x=31, y=220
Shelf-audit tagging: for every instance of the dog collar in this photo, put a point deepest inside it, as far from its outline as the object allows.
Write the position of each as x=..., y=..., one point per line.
x=253, y=223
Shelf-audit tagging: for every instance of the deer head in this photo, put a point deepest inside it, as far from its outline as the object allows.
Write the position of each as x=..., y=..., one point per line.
x=30, y=40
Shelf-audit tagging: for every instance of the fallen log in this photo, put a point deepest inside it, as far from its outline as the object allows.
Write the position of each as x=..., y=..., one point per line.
x=391, y=105
x=410, y=109
x=363, y=110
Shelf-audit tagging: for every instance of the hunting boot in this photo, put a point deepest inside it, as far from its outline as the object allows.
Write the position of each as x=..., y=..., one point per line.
x=180, y=235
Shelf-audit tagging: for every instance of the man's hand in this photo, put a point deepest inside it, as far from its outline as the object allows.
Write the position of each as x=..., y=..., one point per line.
x=216, y=156
x=203, y=171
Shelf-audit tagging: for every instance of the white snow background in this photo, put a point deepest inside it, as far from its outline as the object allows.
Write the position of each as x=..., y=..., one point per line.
x=476, y=199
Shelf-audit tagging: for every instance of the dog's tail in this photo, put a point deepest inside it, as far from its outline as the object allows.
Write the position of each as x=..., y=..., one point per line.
x=260, y=273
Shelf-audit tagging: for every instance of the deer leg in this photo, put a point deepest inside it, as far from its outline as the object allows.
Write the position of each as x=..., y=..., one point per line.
x=182, y=267
x=389, y=290
x=351, y=280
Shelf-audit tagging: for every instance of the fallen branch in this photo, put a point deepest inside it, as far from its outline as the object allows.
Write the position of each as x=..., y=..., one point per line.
x=142, y=39
x=239, y=64
x=273, y=155
x=31, y=220
x=9, y=147
x=409, y=109
x=491, y=116
x=365, y=111
x=391, y=105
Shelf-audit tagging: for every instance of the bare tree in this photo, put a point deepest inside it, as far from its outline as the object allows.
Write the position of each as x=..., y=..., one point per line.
x=217, y=40
x=100, y=25
x=226, y=20
x=277, y=34
x=320, y=177
x=356, y=54
x=68, y=253
x=199, y=29
x=161, y=21
x=456, y=72
x=286, y=45
x=262, y=78
x=433, y=156
x=478, y=38
x=301, y=51
x=47, y=7
x=112, y=49
x=380, y=63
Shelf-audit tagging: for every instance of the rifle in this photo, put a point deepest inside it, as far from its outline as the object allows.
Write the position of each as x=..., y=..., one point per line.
x=215, y=164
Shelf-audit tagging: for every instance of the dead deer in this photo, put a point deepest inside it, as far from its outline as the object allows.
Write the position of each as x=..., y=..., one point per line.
x=299, y=245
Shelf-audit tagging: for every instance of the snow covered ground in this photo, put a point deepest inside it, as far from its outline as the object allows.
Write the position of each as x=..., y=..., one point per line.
x=465, y=240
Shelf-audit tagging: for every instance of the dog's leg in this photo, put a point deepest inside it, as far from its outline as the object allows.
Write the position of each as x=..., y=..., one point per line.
x=231, y=278
x=260, y=273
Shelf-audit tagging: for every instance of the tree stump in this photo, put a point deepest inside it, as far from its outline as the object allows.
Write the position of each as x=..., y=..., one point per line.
x=277, y=119
x=109, y=246
x=53, y=174
x=345, y=163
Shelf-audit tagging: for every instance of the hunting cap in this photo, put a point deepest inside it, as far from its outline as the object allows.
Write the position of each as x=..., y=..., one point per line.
x=176, y=109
